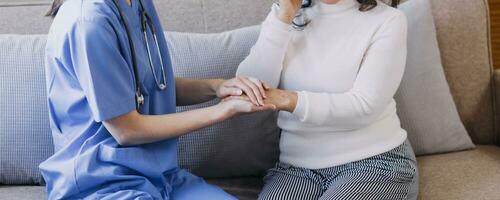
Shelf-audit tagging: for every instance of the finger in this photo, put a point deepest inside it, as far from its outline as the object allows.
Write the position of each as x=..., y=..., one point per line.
x=244, y=98
x=232, y=91
x=271, y=106
x=248, y=91
x=259, y=85
x=266, y=86
x=255, y=90
x=266, y=107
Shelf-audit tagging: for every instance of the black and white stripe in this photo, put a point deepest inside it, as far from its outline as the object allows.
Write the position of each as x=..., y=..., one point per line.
x=386, y=176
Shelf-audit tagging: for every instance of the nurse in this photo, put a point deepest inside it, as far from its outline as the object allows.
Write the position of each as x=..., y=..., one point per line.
x=108, y=143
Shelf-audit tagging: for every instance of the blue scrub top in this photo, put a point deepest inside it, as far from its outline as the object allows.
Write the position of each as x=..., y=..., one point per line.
x=90, y=80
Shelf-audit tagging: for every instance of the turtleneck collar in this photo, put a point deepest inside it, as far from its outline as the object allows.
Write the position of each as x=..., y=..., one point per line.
x=342, y=5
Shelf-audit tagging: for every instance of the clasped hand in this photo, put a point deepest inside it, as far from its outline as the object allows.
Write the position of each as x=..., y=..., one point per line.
x=247, y=94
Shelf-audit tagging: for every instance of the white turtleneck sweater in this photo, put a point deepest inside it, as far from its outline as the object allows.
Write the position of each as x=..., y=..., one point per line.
x=346, y=67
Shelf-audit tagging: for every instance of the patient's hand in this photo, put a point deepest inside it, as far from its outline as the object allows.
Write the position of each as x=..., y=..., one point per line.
x=282, y=99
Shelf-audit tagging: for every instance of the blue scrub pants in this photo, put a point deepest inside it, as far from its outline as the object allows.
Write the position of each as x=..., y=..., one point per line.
x=185, y=186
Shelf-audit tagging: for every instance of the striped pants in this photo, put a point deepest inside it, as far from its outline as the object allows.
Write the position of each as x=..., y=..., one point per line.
x=391, y=175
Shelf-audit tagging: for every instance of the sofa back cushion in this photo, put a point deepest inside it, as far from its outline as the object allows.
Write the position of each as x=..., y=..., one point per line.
x=464, y=41
x=425, y=105
x=25, y=139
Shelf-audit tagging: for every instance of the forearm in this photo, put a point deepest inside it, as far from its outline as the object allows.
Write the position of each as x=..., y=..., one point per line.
x=191, y=91
x=137, y=129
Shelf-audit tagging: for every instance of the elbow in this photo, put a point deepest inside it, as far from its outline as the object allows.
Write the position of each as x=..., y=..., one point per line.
x=352, y=123
x=124, y=137
x=364, y=119
x=125, y=129
x=123, y=140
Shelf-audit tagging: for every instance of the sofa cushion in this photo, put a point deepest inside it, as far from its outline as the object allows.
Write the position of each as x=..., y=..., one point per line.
x=25, y=139
x=464, y=40
x=242, y=146
x=245, y=188
x=22, y=192
x=424, y=101
x=242, y=188
x=473, y=174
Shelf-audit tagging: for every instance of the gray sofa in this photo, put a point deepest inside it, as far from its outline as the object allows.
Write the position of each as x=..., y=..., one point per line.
x=464, y=40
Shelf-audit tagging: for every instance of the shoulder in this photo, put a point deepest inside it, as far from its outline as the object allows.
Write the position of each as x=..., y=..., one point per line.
x=97, y=11
x=387, y=14
x=97, y=17
x=386, y=18
x=84, y=14
x=81, y=18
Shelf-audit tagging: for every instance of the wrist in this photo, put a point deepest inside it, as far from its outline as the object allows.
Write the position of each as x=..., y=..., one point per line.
x=214, y=85
x=224, y=111
x=291, y=102
x=286, y=17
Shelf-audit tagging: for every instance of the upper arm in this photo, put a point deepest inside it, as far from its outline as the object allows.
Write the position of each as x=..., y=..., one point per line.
x=383, y=66
x=102, y=72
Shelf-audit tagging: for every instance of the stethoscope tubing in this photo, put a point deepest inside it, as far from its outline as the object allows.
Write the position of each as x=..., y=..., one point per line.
x=145, y=22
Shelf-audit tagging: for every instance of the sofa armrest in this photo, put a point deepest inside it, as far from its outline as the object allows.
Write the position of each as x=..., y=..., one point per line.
x=496, y=86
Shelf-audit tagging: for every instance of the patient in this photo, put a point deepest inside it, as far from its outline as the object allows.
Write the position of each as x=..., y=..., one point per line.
x=337, y=64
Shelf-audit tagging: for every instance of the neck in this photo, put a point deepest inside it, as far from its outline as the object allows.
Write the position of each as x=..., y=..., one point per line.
x=129, y=2
x=330, y=1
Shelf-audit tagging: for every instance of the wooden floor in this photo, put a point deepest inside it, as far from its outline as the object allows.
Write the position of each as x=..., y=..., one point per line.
x=495, y=31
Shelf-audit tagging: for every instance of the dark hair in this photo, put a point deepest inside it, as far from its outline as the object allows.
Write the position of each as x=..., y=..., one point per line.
x=367, y=5
x=56, y=4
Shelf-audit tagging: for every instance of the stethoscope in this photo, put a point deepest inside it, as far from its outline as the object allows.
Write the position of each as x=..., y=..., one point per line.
x=146, y=22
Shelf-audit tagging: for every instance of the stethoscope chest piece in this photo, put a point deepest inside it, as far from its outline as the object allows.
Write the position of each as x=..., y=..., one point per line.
x=163, y=86
x=139, y=99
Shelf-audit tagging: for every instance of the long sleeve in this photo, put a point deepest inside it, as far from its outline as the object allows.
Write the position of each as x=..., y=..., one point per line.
x=265, y=60
x=377, y=81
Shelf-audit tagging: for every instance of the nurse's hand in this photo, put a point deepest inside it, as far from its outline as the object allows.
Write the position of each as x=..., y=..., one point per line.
x=242, y=85
x=234, y=105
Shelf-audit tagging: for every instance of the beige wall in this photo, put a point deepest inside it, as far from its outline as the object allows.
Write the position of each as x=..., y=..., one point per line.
x=202, y=16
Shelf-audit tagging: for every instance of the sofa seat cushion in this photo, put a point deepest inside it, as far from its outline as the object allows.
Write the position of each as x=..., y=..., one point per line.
x=473, y=174
x=242, y=188
x=22, y=192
